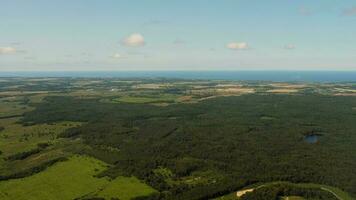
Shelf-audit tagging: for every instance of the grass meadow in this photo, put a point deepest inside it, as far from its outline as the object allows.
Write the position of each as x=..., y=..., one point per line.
x=72, y=179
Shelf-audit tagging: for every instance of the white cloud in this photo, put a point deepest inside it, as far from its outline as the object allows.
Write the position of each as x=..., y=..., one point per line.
x=237, y=46
x=134, y=40
x=289, y=46
x=350, y=12
x=7, y=50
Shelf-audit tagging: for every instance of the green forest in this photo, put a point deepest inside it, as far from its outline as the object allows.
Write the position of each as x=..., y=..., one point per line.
x=204, y=150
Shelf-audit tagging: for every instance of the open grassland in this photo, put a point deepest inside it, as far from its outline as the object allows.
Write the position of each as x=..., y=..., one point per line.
x=12, y=106
x=19, y=144
x=64, y=180
x=72, y=179
x=125, y=188
x=283, y=91
x=18, y=138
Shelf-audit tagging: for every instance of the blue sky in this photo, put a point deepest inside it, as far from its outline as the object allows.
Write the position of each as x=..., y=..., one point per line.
x=57, y=35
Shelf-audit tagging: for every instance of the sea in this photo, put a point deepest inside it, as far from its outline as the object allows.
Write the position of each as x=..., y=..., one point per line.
x=277, y=76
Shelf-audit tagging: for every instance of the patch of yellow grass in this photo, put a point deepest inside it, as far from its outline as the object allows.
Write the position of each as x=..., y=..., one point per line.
x=243, y=192
x=200, y=87
x=283, y=91
x=185, y=98
x=287, y=85
x=236, y=90
x=151, y=86
x=160, y=104
x=228, y=85
x=222, y=92
x=345, y=90
x=345, y=94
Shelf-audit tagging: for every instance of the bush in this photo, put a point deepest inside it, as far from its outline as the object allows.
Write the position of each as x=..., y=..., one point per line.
x=43, y=145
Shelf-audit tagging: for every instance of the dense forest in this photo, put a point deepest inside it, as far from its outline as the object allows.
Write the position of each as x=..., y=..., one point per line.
x=211, y=148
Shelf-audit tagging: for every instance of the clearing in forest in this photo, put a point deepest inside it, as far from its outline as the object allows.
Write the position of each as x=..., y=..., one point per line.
x=72, y=179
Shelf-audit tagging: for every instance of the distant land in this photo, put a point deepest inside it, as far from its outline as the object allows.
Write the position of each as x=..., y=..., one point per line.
x=297, y=76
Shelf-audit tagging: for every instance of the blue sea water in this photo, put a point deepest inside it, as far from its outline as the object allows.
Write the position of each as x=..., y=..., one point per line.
x=295, y=76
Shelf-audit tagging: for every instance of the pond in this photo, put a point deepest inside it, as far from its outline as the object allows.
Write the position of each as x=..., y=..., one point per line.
x=311, y=138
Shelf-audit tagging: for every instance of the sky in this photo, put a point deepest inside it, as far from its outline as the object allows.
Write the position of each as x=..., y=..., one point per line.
x=100, y=35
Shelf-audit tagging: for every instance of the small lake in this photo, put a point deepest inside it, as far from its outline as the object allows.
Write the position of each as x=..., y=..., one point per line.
x=311, y=138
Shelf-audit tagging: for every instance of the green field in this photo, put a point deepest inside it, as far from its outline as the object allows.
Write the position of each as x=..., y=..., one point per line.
x=72, y=179
x=12, y=106
x=125, y=188
x=18, y=138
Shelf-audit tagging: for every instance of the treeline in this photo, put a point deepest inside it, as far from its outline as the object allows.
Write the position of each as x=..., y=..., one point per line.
x=9, y=116
x=68, y=133
x=201, y=192
x=31, y=171
x=25, y=154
